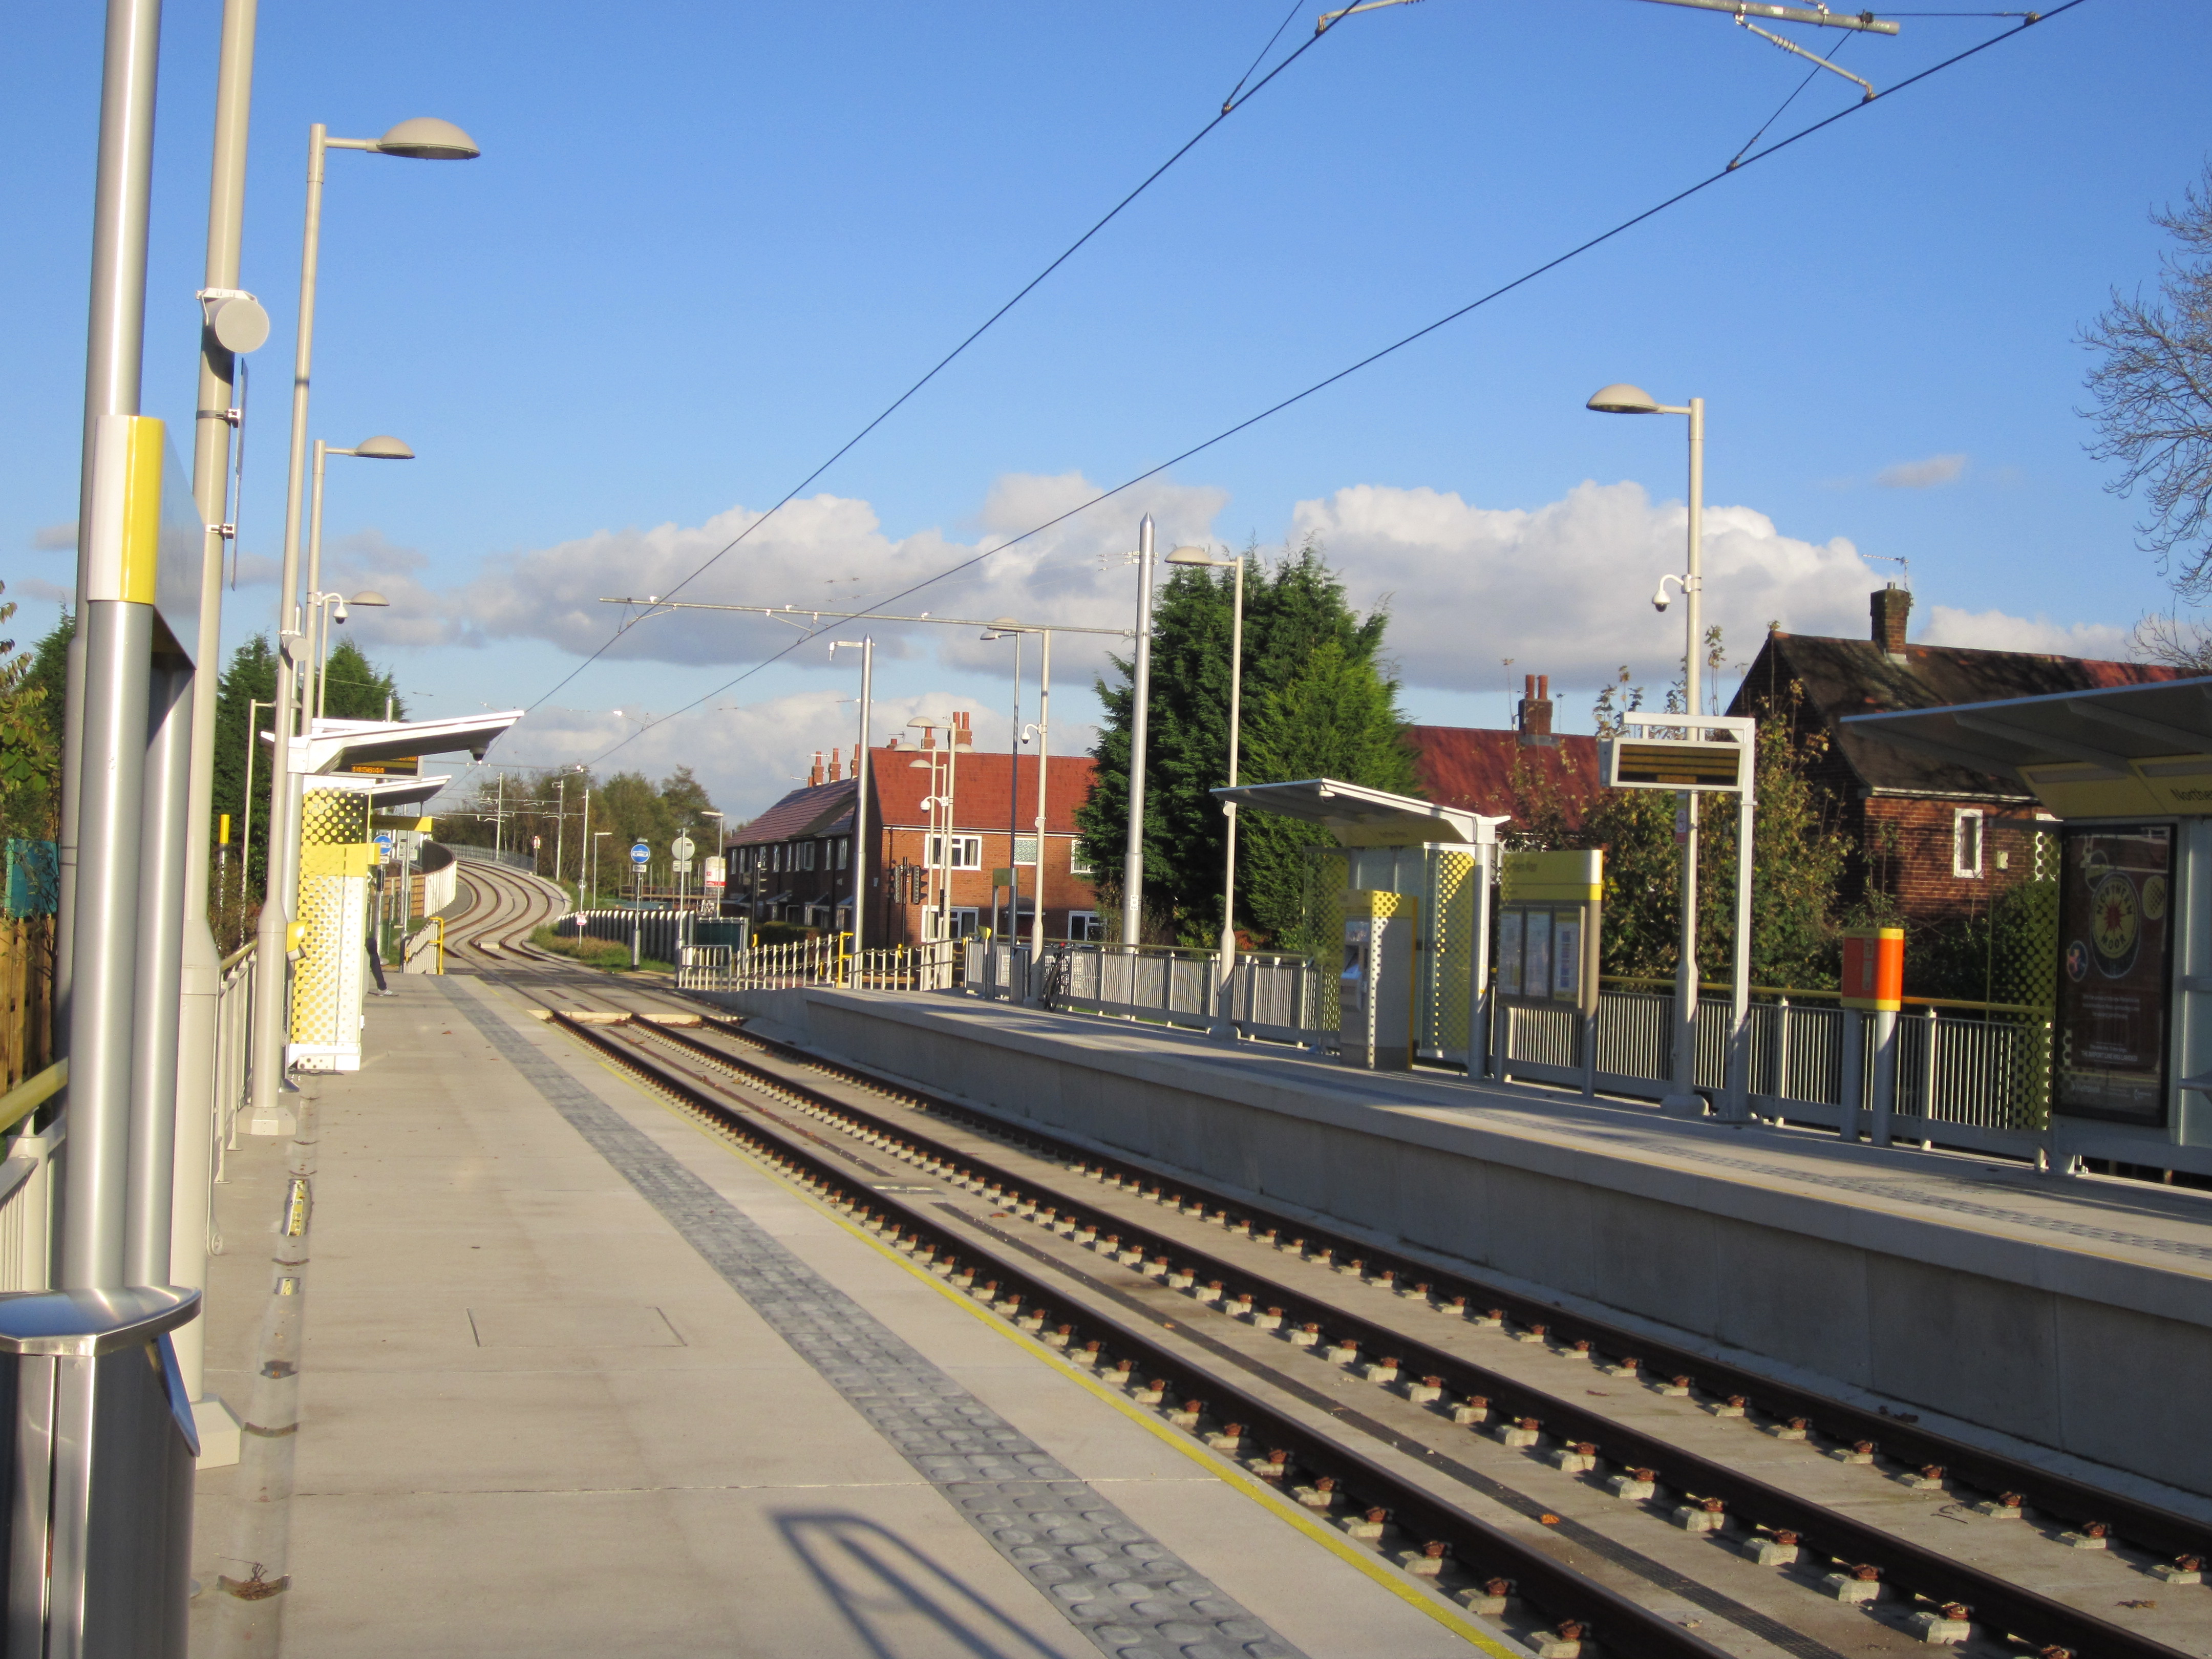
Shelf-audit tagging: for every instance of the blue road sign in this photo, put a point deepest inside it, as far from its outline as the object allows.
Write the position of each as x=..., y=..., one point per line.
x=638, y=852
x=383, y=845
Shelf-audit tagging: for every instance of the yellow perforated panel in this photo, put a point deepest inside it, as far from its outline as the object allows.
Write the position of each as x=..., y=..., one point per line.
x=335, y=855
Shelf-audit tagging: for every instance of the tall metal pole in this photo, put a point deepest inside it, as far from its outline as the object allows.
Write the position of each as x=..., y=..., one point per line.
x=1014, y=808
x=1235, y=714
x=201, y=978
x=1133, y=860
x=861, y=768
x=119, y=529
x=1044, y=771
x=1685, y=1101
x=157, y=996
x=560, y=824
x=271, y=988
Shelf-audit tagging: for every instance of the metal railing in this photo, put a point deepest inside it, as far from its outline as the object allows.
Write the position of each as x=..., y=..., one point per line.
x=233, y=1054
x=423, y=950
x=1270, y=996
x=488, y=856
x=1963, y=1074
x=26, y=1180
x=824, y=961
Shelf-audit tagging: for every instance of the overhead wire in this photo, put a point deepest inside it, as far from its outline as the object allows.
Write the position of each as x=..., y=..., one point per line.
x=1835, y=51
x=1372, y=358
x=1229, y=106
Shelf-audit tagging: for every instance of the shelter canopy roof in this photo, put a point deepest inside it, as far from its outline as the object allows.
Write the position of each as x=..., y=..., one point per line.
x=1359, y=816
x=2110, y=752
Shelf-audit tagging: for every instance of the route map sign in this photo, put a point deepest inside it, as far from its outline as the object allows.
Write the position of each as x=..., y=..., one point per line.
x=2116, y=960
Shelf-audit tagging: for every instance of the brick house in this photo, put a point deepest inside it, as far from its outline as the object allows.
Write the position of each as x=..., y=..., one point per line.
x=1938, y=838
x=795, y=862
x=1496, y=773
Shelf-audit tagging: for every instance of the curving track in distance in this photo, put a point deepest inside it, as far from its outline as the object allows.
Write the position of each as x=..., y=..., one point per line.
x=504, y=907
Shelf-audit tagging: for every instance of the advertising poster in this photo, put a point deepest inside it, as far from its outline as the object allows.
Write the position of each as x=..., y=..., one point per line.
x=2115, y=960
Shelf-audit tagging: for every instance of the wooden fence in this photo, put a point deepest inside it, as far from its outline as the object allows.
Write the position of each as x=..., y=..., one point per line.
x=27, y=991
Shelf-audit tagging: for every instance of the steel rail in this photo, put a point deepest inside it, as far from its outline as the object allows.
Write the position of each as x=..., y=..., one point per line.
x=1998, y=1602
x=1482, y=1550
x=2149, y=1527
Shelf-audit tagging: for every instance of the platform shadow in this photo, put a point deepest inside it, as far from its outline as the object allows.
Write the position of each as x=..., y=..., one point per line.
x=899, y=1602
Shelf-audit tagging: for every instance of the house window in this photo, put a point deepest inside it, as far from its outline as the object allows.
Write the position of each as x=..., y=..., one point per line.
x=807, y=854
x=967, y=851
x=1025, y=849
x=844, y=851
x=1966, y=843
x=777, y=854
x=1083, y=925
x=1077, y=864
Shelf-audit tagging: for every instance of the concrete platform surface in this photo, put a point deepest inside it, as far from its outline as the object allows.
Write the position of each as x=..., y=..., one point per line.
x=2070, y=1313
x=578, y=1378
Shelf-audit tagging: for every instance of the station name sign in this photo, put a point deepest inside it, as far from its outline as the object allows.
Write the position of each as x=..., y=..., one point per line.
x=1668, y=751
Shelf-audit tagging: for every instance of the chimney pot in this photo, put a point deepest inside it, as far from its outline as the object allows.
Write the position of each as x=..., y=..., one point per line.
x=1890, y=606
x=1534, y=719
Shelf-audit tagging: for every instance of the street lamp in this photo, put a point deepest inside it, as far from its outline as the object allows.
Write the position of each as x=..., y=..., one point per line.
x=1043, y=730
x=1133, y=856
x=1624, y=399
x=1199, y=558
x=423, y=139
x=866, y=645
x=331, y=608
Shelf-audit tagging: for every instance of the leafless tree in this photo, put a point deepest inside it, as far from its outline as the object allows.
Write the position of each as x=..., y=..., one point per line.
x=2151, y=393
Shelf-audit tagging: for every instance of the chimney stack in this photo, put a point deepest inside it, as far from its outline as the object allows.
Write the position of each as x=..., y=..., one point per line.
x=1891, y=605
x=814, y=773
x=1534, y=721
x=836, y=764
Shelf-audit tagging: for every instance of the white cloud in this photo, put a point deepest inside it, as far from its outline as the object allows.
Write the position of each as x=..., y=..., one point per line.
x=827, y=550
x=1565, y=589
x=747, y=755
x=54, y=538
x=1930, y=474
x=1996, y=631
x=37, y=587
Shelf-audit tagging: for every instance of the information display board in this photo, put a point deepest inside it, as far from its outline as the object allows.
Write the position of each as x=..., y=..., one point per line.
x=2116, y=965
x=1549, y=916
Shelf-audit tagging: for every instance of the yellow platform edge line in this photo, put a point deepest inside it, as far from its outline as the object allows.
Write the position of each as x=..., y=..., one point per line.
x=1258, y=1490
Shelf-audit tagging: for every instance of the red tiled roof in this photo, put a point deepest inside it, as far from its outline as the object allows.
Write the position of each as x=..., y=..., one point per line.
x=980, y=798
x=1474, y=769
x=982, y=790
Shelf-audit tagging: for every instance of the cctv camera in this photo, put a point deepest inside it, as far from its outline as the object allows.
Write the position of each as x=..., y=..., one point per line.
x=338, y=614
x=1659, y=600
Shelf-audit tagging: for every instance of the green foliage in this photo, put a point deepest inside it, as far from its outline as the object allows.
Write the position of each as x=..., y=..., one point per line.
x=32, y=686
x=355, y=689
x=1316, y=701
x=250, y=677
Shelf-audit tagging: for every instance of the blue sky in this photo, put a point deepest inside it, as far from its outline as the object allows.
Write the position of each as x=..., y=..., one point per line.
x=706, y=243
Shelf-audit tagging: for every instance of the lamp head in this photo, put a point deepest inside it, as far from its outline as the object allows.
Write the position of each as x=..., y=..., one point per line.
x=426, y=138
x=367, y=596
x=1193, y=555
x=1622, y=399
x=1006, y=624
x=383, y=448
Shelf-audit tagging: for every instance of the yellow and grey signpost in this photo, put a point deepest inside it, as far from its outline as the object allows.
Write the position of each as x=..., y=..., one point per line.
x=1550, y=912
x=1694, y=755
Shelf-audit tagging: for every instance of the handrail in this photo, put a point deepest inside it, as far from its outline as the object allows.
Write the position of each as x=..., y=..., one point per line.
x=238, y=956
x=33, y=1092
x=1795, y=992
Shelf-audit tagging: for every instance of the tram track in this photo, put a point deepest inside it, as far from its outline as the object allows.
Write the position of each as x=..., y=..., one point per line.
x=672, y=1058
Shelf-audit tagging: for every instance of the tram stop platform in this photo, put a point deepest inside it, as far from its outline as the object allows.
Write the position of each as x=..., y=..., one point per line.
x=578, y=1378
x=2069, y=1316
